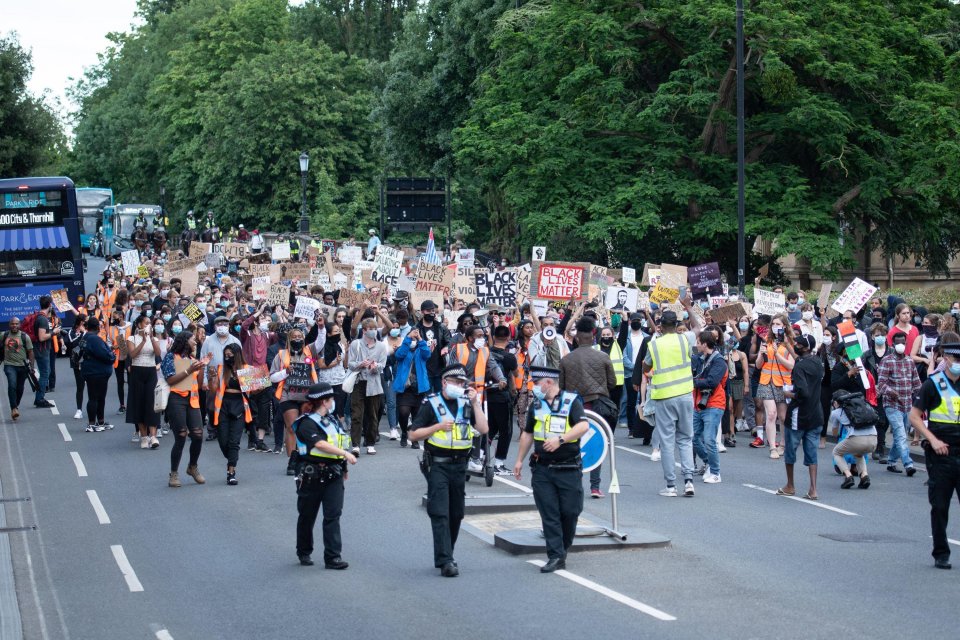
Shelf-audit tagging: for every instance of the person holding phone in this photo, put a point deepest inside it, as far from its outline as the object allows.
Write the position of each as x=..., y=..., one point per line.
x=143, y=348
x=181, y=369
x=775, y=362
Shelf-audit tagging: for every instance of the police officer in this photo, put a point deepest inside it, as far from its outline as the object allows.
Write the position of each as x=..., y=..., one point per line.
x=191, y=221
x=444, y=421
x=323, y=450
x=555, y=424
x=294, y=249
x=940, y=400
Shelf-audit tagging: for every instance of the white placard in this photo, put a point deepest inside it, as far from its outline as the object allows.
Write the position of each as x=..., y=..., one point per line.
x=621, y=299
x=280, y=251
x=629, y=275
x=131, y=260
x=768, y=302
x=350, y=255
x=853, y=297
x=466, y=258
x=539, y=254
x=260, y=287
x=306, y=307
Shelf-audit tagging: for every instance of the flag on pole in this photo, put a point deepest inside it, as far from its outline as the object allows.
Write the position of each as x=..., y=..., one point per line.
x=432, y=257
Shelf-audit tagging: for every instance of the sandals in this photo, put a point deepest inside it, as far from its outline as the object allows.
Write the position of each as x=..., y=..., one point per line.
x=781, y=492
x=807, y=496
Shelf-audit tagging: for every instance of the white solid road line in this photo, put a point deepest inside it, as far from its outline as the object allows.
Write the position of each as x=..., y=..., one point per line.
x=952, y=541
x=125, y=568
x=78, y=463
x=515, y=485
x=610, y=593
x=641, y=453
x=64, y=432
x=98, y=507
x=812, y=503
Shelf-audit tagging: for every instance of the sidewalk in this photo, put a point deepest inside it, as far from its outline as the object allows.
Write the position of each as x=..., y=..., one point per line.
x=10, y=623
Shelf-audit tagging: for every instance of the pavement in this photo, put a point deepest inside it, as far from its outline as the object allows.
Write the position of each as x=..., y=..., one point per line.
x=116, y=554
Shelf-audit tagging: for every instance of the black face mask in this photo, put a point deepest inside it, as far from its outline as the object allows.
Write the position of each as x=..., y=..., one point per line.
x=636, y=325
x=296, y=345
x=229, y=360
x=606, y=341
x=429, y=317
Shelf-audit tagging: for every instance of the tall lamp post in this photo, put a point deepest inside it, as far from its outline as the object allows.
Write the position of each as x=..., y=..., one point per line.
x=741, y=178
x=304, y=165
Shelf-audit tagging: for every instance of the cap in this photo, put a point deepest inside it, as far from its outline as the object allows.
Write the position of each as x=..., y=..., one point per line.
x=636, y=316
x=428, y=305
x=241, y=227
x=807, y=341
x=544, y=373
x=371, y=231
x=221, y=320
x=455, y=371
x=668, y=317
x=319, y=391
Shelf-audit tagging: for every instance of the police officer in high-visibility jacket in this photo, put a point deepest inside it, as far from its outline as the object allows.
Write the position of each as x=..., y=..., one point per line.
x=324, y=449
x=447, y=421
x=555, y=424
x=940, y=400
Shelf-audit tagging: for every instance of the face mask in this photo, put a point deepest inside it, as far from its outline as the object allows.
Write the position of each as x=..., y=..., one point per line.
x=792, y=306
x=176, y=330
x=704, y=305
x=224, y=303
x=138, y=303
x=333, y=407
x=807, y=315
x=930, y=332
x=454, y=392
x=296, y=345
x=538, y=392
x=955, y=368
x=229, y=360
x=827, y=339
x=222, y=330
x=429, y=317
x=644, y=324
x=917, y=319
x=236, y=327
x=370, y=334
x=900, y=348
x=264, y=326
x=879, y=340
x=636, y=325
x=744, y=326
x=158, y=328
x=394, y=333
x=684, y=315
x=480, y=343
x=149, y=312
x=778, y=331
x=955, y=312
x=801, y=300
x=166, y=317
x=606, y=341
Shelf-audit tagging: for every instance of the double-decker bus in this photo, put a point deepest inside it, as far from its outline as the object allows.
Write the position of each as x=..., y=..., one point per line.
x=120, y=220
x=91, y=202
x=39, y=244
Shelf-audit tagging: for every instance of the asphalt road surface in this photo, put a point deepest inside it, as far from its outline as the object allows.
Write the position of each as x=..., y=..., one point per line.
x=116, y=554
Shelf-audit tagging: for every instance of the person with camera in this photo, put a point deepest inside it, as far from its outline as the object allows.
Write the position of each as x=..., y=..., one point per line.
x=446, y=420
x=554, y=425
x=710, y=399
x=855, y=423
x=323, y=448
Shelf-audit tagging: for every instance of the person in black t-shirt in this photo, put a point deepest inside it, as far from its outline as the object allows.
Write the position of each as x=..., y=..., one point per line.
x=555, y=424
x=499, y=401
x=940, y=400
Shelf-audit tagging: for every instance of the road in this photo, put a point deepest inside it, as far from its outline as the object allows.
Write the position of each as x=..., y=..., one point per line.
x=214, y=561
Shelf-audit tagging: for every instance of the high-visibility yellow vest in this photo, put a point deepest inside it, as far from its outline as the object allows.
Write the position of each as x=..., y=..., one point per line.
x=460, y=436
x=948, y=411
x=335, y=436
x=548, y=423
x=672, y=376
x=616, y=357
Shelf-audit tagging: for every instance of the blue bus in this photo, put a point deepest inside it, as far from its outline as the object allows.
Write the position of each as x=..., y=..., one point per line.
x=91, y=202
x=120, y=220
x=39, y=244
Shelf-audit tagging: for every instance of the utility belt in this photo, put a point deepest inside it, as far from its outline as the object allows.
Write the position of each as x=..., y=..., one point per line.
x=954, y=450
x=557, y=465
x=428, y=459
x=316, y=473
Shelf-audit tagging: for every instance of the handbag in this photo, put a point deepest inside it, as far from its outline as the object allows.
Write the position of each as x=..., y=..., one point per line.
x=349, y=382
x=161, y=394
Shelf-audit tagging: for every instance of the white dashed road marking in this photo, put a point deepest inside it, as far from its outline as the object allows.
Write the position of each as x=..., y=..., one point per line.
x=98, y=507
x=78, y=463
x=125, y=568
x=63, y=431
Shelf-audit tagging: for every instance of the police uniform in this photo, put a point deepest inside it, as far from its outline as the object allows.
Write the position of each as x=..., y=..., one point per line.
x=940, y=399
x=557, y=475
x=444, y=465
x=320, y=480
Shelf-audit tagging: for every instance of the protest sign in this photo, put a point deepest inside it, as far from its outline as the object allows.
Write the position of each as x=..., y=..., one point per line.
x=417, y=298
x=464, y=287
x=673, y=275
x=176, y=266
x=143, y=272
x=728, y=312
x=200, y=249
x=648, y=277
x=306, y=307
x=193, y=312
x=496, y=287
x=300, y=376
x=434, y=277
x=278, y=295
x=253, y=378
x=299, y=271
x=621, y=299
x=524, y=275
x=234, y=251
x=387, y=265
x=763, y=271
x=260, y=287
x=61, y=300
x=350, y=297
x=629, y=275
x=280, y=250
x=131, y=260
x=662, y=294
x=643, y=301
x=260, y=270
x=854, y=296
x=538, y=307
x=212, y=260
x=539, y=254
x=466, y=257
x=328, y=246
x=189, y=281
x=558, y=281
x=768, y=302
x=824, y=297
x=350, y=255
x=705, y=278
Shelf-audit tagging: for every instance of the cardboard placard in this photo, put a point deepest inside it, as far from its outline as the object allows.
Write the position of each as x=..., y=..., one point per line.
x=278, y=295
x=464, y=286
x=143, y=272
x=466, y=258
x=705, y=278
x=387, y=265
x=350, y=255
x=130, y=260
x=629, y=275
x=418, y=297
x=539, y=254
x=643, y=301
x=524, y=276
x=193, y=312
x=621, y=299
x=558, y=281
x=728, y=312
x=200, y=249
x=212, y=260
x=673, y=275
x=854, y=296
x=61, y=300
x=260, y=287
x=253, y=378
x=497, y=288
x=649, y=277
x=280, y=250
x=189, y=282
x=538, y=307
x=768, y=302
x=763, y=271
x=662, y=294
x=235, y=251
x=434, y=277
x=824, y=298
x=299, y=271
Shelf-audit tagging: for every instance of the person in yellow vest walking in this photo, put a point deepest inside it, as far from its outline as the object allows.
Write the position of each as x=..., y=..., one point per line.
x=555, y=423
x=671, y=391
x=231, y=408
x=446, y=420
x=323, y=448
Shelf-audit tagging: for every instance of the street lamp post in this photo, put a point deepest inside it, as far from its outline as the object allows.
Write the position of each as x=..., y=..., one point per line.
x=304, y=165
x=741, y=178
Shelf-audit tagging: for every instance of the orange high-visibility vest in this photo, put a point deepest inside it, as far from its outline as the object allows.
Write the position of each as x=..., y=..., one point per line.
x=194, y=393
x=218, y=401
x=462, y=354
x=772, y=371
x=522, y=373
x=286, y=363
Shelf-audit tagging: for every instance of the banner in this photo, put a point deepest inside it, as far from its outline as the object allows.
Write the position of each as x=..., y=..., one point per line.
x=768, y=302
x=497, y=288
x=253, y=378
x=854, y=296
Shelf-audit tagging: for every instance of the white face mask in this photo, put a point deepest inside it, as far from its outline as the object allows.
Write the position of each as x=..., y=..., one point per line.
x=222, y=330
x=370, y=334
x=264, y=326
x=808, y=315
x=480, y=343
x=164, y=292
x=900, y=348
x=158, y=328
x=827, y=339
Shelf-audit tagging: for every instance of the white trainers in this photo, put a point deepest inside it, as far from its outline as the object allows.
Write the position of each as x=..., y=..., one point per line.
x=669, y=492
x=135, y=438
x=371, y=451
x=474, y=466
x=711, y=478
x=394, y=434
x=154, y=443
x=655, y=456
x=78, y=415
x=774, y=454
x=355, y=451
x=688, y=489
x=145, y=442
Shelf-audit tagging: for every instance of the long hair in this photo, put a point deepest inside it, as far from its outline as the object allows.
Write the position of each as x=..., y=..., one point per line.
x=228, y=371
x=181, y=344
x=788, y=336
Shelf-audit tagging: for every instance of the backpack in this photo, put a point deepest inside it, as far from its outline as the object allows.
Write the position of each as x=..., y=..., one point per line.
x=76, y=355
x=29, y=326
x=858, y=410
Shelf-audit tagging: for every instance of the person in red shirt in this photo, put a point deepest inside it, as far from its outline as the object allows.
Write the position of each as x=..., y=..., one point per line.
x=903, y=315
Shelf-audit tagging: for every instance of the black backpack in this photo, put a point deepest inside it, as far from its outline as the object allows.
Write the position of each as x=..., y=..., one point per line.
x=76, y=356
x=858, y=410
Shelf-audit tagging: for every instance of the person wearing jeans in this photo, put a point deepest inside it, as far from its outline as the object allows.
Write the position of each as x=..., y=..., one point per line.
x=897, y=382
x=18, y=349
x=710, y=397
x=900, y=449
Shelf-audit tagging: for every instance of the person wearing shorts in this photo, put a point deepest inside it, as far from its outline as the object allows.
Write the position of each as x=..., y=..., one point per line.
x=804, y=415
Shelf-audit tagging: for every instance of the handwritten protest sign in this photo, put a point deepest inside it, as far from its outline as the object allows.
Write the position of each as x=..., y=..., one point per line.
x=705, y=278
x=131, y=260
x=728, y=312
x=464, y=286
x=662, y=294
x=524, y=276
x=234, y=251
x=260, y=287
x=387, y=265
x=306, y=307
x=280, y=250
x=200, y=249
x=417, y=298
x=212, y=260
x=643, y=301
x=300, y=376
x=175, y=266
x=496, y=287
x=193, y=312
x=557, y=281
x=61, y=300
x=651, y=274
x=299, y=271
x=434, y=277
x=824, y=298
x=854, y=296
x=350, y=255
x=768, y=302
x=253, y=378
x=629, y=275
x=189, y=281
x=278, y=295
x=673, y=275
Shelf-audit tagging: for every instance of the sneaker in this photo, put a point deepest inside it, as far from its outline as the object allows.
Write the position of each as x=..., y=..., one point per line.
x=501, y=470
x=394, y=434
x=78, y=415
x=92, y=428
x=106, y=425
x=596, y=494
x=688, y=489
x=741, y=425
x=415, y=445
x=251, y=445
x=135, y=438
x=757, y=443
x=355, y=451
x=371, y=451
x=774, y=454
x=722, y=448
x=702, y=469
x=278, y=450
x=474, y=466
x=232, y=479
x=122, y=409
x=403, y=441
x=711, y=478
x=144, y=442
x=655, y=455
x=669, y=492
x=893, y=469
x=261, y=447
x=159, y=433
x=911, y=471
x=729, y=442
x=154, y=443
x=98, y=428
x=44, y=404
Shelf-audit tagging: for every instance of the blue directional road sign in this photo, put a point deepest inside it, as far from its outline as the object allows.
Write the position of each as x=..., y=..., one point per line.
x=593, y=446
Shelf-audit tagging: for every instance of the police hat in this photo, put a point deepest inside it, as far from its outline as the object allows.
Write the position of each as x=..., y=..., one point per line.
x=668, y=317
x=951, y=348
x=319, y=391
x=544, y=373
x=455, y=371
